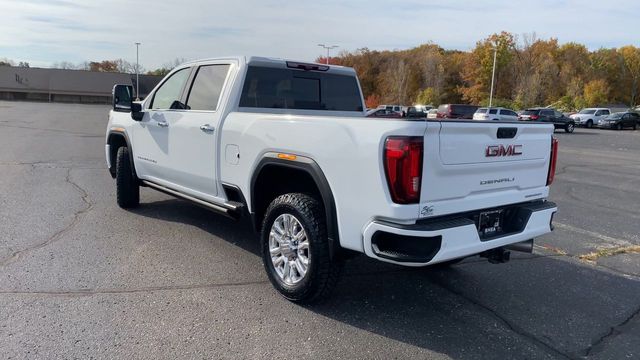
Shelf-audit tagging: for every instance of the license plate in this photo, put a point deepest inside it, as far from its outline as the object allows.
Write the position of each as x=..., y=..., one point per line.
x=490, y=223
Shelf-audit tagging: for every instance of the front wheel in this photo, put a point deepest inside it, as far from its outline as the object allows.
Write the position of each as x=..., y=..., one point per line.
x=619, y=126
x=295, y=249
x=589, y=124
x=127, y=188
x=569, y=128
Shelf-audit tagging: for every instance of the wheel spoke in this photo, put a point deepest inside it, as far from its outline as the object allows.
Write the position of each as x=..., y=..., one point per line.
x=303, y=245
x=301, y=267
x=285, y=271
x=275, y=251
x=277, y=260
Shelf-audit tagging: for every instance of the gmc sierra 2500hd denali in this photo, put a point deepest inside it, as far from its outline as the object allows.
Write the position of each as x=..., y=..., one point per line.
x=288, y=145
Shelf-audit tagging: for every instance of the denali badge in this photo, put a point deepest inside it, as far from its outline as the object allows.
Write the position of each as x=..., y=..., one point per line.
x=496, y=181
x=500, y=150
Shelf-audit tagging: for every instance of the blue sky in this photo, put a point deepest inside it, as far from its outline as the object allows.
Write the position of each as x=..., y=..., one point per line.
x=48, y=31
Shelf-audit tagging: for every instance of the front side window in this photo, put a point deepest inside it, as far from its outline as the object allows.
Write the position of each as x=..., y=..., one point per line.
x=493, y=111
x=170, y=92
x=276, y=88
x=207, y=87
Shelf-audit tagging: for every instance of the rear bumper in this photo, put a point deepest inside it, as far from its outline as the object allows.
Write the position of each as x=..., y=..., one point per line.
x=451, y=238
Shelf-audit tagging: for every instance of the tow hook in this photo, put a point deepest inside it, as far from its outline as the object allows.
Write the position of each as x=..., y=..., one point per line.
x=497, y=256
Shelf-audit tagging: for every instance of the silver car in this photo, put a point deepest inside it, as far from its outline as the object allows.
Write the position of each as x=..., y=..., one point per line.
x=495, y=114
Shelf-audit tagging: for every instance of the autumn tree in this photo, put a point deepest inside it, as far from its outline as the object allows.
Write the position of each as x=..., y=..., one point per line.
x=631, y=56
x=372, y=101
x=596, y=92
x=479, y=66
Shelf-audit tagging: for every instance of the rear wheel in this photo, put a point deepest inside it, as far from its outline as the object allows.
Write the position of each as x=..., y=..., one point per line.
x=127, y=188
x=635, y=126
x=295, y=249
x=569, y=128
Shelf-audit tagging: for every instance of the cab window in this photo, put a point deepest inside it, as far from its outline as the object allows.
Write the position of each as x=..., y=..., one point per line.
x=207, y=87
x=169, y=94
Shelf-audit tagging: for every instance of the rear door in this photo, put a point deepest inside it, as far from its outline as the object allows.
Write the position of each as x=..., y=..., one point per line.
x=471, y=165
x=193, y=138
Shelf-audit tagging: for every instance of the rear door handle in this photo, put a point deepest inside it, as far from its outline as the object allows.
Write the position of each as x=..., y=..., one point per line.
x=163, y=124
x=207, y=128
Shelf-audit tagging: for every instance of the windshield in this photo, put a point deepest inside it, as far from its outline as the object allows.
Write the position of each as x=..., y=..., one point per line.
x=615, y=116
x=587, y=111
x=481, y=111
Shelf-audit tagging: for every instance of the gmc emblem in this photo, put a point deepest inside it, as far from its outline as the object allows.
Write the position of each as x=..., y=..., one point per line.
x=500, y=150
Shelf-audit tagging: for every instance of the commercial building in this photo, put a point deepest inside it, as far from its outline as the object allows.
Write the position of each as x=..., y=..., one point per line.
x=58, y=85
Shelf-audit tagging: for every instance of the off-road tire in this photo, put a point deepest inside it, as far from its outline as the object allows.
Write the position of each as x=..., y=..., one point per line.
x=323, y=272
x=127, y=187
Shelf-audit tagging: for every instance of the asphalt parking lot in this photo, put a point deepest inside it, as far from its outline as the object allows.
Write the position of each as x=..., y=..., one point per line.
x=81, y=278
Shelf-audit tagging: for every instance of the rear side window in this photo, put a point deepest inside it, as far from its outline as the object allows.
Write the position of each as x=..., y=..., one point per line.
x=206, y=88
x=274, y=88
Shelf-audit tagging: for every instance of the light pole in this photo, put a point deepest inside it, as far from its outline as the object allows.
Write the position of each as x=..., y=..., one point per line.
x=137, y=73
x=493, y=73
x=328, y=47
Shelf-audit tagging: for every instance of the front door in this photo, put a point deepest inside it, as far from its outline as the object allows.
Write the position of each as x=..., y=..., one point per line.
x=150, y=136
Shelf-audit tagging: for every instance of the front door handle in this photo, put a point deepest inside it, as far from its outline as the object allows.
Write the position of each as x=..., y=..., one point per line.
x=207, y=128
x=163, y=124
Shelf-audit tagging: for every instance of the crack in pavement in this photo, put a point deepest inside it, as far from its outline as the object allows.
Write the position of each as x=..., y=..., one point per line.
x=599, y=344
x=514, y=328
x=60, y=233
x=98, y=291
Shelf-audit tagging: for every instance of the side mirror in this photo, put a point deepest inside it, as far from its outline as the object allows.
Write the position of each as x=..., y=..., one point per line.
x=122, y=97
x=136, y=111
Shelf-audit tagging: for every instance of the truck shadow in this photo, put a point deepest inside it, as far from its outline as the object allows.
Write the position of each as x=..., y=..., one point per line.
x=532, y=307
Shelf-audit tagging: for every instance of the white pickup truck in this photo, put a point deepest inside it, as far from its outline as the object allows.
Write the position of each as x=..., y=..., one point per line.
x=287, y=145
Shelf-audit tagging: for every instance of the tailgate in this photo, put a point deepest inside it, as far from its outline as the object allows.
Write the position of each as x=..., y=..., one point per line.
x=476, y=165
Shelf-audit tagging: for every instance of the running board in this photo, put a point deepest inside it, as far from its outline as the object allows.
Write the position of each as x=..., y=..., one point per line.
x=231, y=209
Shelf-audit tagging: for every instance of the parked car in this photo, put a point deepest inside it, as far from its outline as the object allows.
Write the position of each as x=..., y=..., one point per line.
x=495, y=114
x=416, y=112
x=384, y=113
x=396, y=108
x=589, y=117
x=432, y=114
x=456, y=111
x=222, y=134
x=547, y=115
x=620, y=120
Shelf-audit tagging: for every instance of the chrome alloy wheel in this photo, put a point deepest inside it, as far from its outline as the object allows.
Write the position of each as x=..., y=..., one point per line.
x=289, y=249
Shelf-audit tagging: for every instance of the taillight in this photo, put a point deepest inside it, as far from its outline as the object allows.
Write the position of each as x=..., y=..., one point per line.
x=534, y=117
x=553, y=160
x=403, y=168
